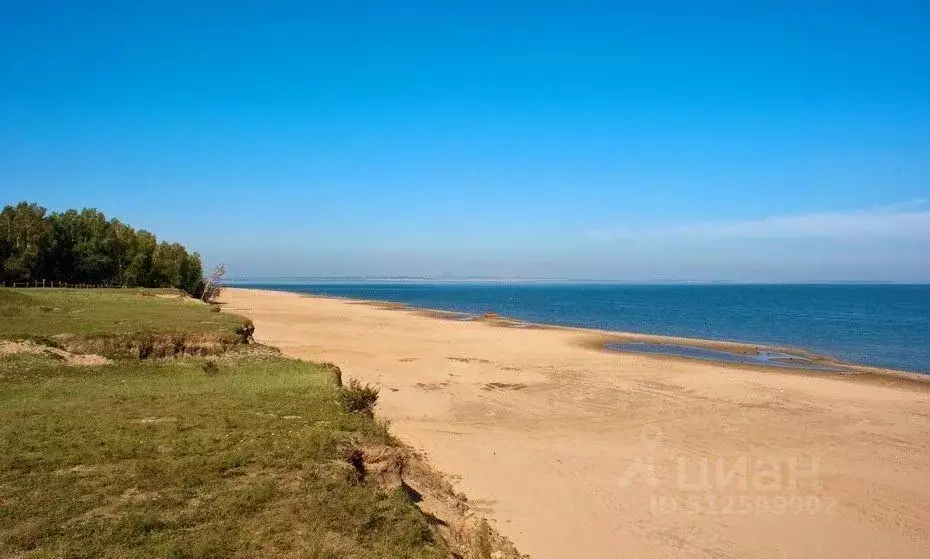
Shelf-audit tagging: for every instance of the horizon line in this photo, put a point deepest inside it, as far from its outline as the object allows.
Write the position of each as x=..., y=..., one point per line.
x=498, y=279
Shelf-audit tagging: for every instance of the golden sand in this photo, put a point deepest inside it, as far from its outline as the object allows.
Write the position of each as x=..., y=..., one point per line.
x=574, y=452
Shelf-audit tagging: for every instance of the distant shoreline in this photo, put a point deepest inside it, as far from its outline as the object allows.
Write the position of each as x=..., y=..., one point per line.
x=601, y=339
x=247, y=282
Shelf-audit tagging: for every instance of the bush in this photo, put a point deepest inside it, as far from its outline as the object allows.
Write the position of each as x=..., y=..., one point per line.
x=359, y=399
x=245, y=331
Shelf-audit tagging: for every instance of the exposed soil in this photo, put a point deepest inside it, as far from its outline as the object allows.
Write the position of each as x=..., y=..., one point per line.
x=9, y=348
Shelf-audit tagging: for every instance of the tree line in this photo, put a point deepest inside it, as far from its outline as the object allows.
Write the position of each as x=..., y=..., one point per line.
x=84, y=247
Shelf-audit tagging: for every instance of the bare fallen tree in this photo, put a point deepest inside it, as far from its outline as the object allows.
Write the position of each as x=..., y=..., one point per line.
x=212, y=288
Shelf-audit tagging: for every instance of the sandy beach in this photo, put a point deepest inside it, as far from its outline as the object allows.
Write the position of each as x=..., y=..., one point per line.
x=576, y=452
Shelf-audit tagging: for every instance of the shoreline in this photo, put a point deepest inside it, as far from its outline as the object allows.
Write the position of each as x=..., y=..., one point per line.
x=601, y=338
x=541, y=428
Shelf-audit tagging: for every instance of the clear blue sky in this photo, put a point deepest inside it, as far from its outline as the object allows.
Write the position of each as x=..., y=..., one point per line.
x=743, y=140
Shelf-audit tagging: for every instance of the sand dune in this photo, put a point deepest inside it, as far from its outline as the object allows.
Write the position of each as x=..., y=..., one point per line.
x=574, y=452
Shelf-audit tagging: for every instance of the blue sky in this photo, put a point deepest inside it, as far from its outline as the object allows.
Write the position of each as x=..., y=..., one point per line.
x=686, y=140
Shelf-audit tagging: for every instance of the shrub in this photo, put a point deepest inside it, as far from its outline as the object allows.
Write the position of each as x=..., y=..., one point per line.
x=359, y=399
x=245, y=331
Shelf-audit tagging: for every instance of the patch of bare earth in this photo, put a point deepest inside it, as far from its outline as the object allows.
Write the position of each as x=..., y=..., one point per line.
x=180, y=297
x=30, y=347
x=463, y=528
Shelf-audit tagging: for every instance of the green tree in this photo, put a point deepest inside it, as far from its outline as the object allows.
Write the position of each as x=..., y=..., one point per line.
x=24, y=241
x=139, y=270
x=85, y=247
x=122, y=246
x=93, y=255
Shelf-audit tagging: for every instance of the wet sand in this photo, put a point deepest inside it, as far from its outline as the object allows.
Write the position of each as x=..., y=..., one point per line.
x=575, y=451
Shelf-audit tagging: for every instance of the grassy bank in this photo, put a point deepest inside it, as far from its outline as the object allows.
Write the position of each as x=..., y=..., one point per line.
x=244, y=455
x=89, y=312
x=119, y=322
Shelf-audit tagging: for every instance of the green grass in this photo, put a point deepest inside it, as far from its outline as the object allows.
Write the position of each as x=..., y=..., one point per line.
x=157, y=458
x=173, y=458
x=119, y=322
x=92, y=312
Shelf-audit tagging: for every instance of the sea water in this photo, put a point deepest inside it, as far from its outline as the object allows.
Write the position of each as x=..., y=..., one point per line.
x=881, y=325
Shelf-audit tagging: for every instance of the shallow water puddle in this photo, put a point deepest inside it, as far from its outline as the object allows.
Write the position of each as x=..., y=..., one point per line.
x=770, y=358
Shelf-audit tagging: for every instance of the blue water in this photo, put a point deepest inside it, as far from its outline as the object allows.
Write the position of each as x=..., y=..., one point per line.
x=882, y=325
x=770, y=358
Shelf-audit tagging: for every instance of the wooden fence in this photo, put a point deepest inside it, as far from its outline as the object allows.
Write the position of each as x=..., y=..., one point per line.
x=53, y=283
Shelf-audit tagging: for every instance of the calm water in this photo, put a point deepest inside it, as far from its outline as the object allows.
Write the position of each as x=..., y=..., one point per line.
x=883, y=325
x=770, y=358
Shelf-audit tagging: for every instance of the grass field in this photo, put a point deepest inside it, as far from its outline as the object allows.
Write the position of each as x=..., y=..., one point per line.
x=178, y=458
x=88, y=312
x=115, y=322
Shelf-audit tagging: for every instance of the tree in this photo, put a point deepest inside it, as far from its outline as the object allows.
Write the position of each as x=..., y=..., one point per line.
x=192, y=275
x=121, y=242
x=26, y=235
x=139, y=271
x=86, y=247
x=93, y=256
x=211, y=288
